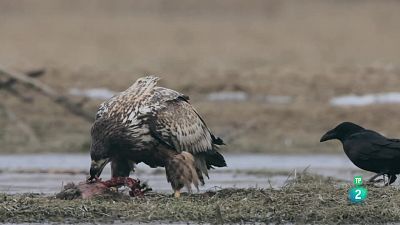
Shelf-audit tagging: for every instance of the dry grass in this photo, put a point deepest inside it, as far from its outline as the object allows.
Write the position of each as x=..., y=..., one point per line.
x=307, y=199
x=310, y=50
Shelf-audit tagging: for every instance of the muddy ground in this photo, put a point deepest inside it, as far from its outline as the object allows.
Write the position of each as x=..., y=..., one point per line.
x=306, y=199
x=309, y=51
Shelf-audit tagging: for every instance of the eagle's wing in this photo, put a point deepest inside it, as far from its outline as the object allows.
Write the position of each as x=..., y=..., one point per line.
x=179, y=126
x=176, y=124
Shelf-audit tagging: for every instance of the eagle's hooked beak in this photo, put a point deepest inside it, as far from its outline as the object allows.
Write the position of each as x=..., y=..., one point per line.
x=328, y=136
x=97, y=167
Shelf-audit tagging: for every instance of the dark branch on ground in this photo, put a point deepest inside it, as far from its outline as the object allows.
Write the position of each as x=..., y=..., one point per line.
x=11, y=78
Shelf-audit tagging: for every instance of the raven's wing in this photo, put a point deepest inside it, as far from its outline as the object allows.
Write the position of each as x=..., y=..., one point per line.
x=179, y=126
x=371, y=145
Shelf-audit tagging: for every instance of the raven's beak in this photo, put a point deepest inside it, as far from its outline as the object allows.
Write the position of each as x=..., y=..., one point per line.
x=97, y=167
x=328, y=136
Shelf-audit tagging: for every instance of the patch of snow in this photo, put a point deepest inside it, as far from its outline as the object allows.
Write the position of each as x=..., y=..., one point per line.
x=94, y=93
x=239, y=96
x=369, y=99
x=228, y=96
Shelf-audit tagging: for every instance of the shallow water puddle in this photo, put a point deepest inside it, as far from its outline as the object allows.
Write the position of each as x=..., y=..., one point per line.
x=240, y=96
x=220, y=96
x=369, y=99
x=93, y=93
x=47, y=173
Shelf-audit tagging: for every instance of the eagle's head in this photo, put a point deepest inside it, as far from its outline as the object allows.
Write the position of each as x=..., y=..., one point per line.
x=146, y=81
x=108, y=137
x=100, y=148
x=100, y=156
x=143, y=85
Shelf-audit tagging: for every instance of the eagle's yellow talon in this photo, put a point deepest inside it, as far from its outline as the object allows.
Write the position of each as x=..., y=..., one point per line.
x=115, y=189
x=177, y=194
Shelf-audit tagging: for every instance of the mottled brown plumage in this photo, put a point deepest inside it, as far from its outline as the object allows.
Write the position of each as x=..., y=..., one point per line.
x=157, y=126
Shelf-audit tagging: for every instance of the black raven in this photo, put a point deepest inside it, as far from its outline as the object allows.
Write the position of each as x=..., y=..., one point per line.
x=368, y=149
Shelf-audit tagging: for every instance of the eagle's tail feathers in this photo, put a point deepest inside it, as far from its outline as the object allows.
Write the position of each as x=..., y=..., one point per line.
x=201, y=167
x=217, y=140
x=215, y=159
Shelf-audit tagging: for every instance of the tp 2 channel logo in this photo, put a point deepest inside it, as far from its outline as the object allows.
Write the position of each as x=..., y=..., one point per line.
x=358, y=194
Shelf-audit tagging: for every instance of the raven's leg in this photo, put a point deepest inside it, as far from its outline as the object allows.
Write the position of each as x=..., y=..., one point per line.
x=383, y=179
x=392, y=178
x=372, y=179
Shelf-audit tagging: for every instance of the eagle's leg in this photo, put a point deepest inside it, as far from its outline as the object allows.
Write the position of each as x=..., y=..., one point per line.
x=181, y=172
x=173, y=171
x=120, y=167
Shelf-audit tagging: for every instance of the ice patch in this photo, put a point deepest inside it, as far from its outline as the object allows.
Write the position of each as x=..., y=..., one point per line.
x=94, y=93
x=228, y=96
x=369, y=99
x=239, y=96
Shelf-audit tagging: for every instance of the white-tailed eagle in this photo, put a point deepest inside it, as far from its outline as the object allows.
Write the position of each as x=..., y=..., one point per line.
x=156, y=126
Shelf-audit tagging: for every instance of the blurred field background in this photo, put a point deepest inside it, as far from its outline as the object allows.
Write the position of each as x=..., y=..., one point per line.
x=302, y=53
